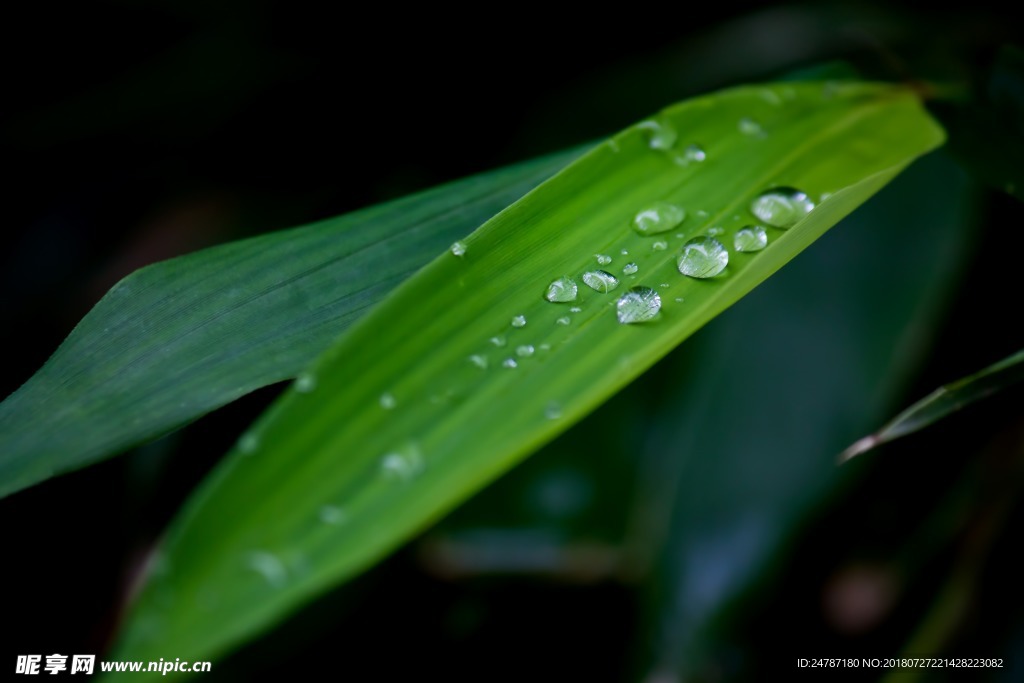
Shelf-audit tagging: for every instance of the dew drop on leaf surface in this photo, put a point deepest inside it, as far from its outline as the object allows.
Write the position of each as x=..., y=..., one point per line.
x=703, y=257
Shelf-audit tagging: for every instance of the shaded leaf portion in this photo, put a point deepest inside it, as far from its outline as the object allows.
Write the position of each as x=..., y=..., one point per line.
x=177, y=339
x=467, y=368
x=943, y=402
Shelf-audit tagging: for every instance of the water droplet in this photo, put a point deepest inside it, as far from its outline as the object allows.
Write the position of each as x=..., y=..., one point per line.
x=553, y=411
x=575, y=309
x=703, y=257
x=269, y=566
x=509, y=363
x=600, y=280
x=603, y=259
x=771, y=97
x=624, y=252
x=519, y=321
x=660, y=135
x=564, y=320
x=545, y=347
x=781, y=207
x=387, y=401
x=332, y=514
x=751, y=127
x=750, y=238
x=658, y=217
x=630, y=269
x=524, y=351
x=664, y=285
x=479, y=361
x=561, y=290
x=679, y=299
x=638, y=305
x=498, y=341
x=305, y=383
x=715, y=231
x=248, y=443
x=702, y=214
x=404, y=464
x=660, y=245
x=459, y=249
x=692, y=154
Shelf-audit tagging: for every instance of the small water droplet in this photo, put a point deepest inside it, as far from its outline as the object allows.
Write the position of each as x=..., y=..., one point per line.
x=498, y=341
x=749, y=126
x=404, y=464
x=638, y=305
x=305, y=383
x=509, y=363
x=624, y=252
x=248, y=443
x=545, y=347
x=660, y=135
x=564, y=320
x=479, y=361
x=658, y=217
x=664, y=285
x=575, y=309
x=387, y=401
x=519, y=321
x=702, y=214
x=524, y=351
x=660, y=245
x=703, y=257
x=553, y=411
x=716, y=231
x=603, y=259
x=781, y=207
x=269, y=566
x=459, y=249
x=600, y=280
x=630, y=269
x=679, y=299
x=332, y=514
x=561, y=290
x=692, y=154
x=750, y=238
x=771, y=97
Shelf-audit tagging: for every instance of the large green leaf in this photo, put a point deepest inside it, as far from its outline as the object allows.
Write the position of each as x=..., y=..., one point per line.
x=180, y=338
x=395, y=425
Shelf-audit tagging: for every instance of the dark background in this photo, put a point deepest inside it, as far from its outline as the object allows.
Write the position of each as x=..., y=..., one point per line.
x=133, y=132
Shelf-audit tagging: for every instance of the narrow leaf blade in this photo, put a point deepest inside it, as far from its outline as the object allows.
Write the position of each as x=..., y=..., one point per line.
x=178, y=339
x=404, y=423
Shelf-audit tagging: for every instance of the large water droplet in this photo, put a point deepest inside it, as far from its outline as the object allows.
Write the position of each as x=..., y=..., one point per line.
x=479, y=361
x=637, y=305
x=600, y=280
x=387, y=401
x=659, y=134
x=658, y=217
x=404, y=464
x=459, y=249
x=333, y=515
x=781, y=207
x=751, y=127
x=630, y=269
x=519, y=321
x=750, y=238
x=524, y=351
x=703, y=257
x=561, y=290
x=602, y=259
x=305, y=383
x=269, y=566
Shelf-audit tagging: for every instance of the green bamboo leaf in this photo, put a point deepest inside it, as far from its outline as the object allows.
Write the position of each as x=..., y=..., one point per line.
x=466, y=368
x=943, y=402
x=177, y=339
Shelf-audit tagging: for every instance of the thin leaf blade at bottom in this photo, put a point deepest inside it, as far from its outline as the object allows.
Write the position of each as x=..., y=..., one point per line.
x=330, y=480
